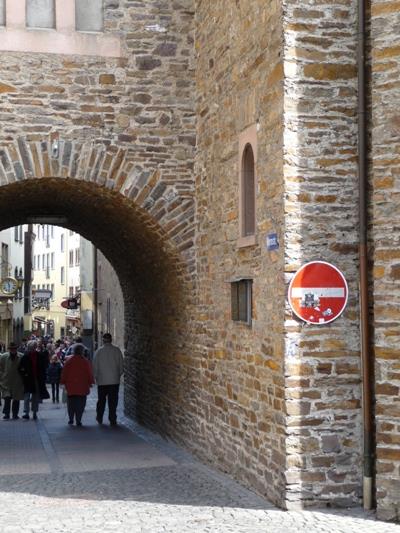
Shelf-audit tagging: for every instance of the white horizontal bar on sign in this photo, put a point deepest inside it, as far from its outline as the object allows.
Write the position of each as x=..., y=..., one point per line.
x=321, y=292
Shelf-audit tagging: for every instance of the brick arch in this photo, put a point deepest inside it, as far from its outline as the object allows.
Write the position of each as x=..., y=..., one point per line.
x=168, y=201
x=144, y=226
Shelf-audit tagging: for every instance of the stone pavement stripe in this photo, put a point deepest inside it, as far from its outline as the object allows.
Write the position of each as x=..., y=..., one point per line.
x=51, y=454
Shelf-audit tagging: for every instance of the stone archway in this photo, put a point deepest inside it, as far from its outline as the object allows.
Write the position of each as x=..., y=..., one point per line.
x=144, y=225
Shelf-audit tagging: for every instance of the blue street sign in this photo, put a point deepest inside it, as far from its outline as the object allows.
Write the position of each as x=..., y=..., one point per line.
x=272, y=241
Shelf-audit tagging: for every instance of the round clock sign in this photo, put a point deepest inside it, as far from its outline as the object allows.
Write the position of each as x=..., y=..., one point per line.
x=9, y=285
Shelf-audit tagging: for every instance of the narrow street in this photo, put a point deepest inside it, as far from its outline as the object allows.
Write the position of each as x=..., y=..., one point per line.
x=58, y=478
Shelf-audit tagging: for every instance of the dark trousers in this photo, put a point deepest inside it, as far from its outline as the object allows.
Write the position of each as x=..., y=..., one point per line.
x=55, y=392
x=107, y=393
x=76, y=406
x=7, y=407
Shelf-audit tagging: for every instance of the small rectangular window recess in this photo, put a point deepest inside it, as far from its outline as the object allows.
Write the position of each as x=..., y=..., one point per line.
x=2, y=12
x=89, y=15
x=241, y=300
x=40, y=14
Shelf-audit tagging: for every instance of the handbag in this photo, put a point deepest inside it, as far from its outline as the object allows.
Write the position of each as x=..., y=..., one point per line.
x=64, y=395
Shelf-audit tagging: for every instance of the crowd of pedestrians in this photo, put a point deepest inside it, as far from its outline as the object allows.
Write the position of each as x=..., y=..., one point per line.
x=28, y=369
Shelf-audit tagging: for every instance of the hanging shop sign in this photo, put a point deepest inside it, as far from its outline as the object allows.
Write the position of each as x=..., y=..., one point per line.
x=71, y=303
x=318, y=293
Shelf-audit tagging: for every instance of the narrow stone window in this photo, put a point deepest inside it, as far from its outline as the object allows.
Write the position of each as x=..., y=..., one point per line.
x=89, y=15
x=2, y=12
x=247, y=162
x=248, y=192
x=40, y=14
x=241, y=300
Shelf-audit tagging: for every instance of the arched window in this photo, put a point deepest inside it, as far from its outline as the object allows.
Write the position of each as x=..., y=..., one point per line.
x=248, y=197
x=89, y=15
x=40, y=14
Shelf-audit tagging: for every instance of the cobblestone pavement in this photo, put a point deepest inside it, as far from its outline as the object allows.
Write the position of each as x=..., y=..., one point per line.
x=57, y=478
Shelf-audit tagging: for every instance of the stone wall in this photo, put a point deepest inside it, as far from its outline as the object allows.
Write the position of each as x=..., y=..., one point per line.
x=385, y=252
x=122, y=169
x=240, y=404
x=110, y=303
x=276, y=404
x=322, y=372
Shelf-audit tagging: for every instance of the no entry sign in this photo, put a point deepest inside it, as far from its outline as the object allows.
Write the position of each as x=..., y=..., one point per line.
x=318, y=293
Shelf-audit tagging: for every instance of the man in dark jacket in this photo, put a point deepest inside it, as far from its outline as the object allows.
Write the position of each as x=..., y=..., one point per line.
x=11, y=384
x=33, y=368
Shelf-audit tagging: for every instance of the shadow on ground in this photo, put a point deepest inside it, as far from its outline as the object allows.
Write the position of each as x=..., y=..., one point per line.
x=171, y=485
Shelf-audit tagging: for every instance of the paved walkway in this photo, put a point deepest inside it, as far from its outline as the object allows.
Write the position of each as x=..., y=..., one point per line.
x=57, y=478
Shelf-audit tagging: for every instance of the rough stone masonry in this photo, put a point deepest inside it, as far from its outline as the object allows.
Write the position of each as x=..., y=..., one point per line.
x=149, y=149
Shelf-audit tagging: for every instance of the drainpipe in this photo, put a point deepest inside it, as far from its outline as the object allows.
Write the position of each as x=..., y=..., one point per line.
x=367, y=369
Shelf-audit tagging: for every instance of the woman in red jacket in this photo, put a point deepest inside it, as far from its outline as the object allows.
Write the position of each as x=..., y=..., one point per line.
x=77, y=376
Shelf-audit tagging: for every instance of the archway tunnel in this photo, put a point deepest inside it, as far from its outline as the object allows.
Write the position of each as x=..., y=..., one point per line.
x=154, y=278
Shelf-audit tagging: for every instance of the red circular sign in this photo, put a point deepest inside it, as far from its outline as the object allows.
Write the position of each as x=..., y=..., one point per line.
x=318, y=293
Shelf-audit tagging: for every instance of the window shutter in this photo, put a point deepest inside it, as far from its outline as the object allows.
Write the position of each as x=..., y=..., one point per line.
x=40, y=14
x=2, y=12
x=89, y=15
x=235, y=301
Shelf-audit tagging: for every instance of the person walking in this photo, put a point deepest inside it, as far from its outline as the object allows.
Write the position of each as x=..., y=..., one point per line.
x=108, y=367
x=78, y=340
x=53, y=377
x=11, y=384
x=77, y=376
x=32, y=367
x=41, y=348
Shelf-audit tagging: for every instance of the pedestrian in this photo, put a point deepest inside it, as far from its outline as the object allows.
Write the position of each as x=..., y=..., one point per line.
x=53, y=378
x=77, y=376
x=50, y=349
x=22, y=347
x=60, y=352
x=32, y=367
x=78, y=340
x=108, y=367
x=11, y=384
x=41, y=348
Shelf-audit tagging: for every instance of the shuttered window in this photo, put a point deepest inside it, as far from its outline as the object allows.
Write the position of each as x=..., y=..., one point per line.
x=40, y=14
x=2, y=12
x=241, y=300
x=89, y=15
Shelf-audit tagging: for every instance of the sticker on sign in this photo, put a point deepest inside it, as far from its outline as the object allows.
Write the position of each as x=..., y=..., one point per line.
x=318, y=293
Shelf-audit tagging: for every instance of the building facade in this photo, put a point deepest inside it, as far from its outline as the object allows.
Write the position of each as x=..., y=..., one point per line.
x=57, y=269
x=181, y=138
x=12, y=323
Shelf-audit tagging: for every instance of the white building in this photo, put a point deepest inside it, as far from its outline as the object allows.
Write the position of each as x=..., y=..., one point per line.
x=56, y=268
x=12, y=302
